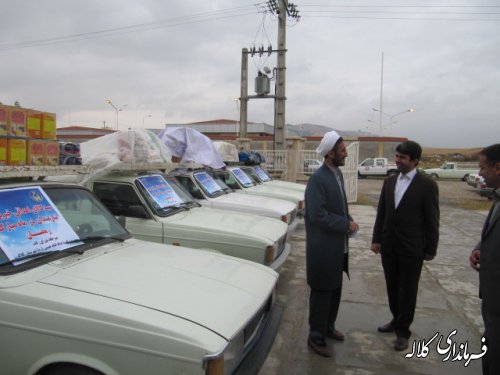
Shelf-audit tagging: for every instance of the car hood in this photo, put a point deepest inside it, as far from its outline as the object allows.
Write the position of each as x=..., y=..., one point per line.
x=276, y=192
x=273, y=206
x=212, y=290
x=286, y=185
x=212, y=220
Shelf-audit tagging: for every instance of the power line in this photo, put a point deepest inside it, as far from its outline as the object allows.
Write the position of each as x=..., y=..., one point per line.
x=404, y=12
x=363, y=12
x=171, y=22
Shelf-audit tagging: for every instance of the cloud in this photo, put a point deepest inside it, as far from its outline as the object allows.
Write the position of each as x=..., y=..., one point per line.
x=180, y=61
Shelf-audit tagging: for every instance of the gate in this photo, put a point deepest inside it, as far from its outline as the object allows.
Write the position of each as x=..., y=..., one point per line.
x=307, y=163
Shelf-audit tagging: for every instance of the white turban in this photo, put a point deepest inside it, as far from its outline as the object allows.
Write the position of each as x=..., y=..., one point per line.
x=327, y=143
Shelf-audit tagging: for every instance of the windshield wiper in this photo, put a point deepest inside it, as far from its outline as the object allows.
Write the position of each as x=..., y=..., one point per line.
x=70, y=250
x=182, y=206
x=44, y=253
x=95, y=238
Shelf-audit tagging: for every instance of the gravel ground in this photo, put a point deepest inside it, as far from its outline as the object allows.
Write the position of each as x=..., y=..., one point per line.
x=453, y=193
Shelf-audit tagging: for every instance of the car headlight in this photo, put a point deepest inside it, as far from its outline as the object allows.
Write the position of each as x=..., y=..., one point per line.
x=270, y=254
x=226, y=361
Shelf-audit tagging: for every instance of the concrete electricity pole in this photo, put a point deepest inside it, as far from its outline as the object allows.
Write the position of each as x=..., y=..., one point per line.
x=279, y=101
x=244, y=93
x=282, y=9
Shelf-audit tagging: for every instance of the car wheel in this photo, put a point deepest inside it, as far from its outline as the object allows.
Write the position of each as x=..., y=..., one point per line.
x=360, y=175
x=464, y=178
x=68, y=369
x=434, y=176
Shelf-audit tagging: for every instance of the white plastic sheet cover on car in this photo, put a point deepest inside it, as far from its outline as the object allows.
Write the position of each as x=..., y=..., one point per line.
x=129, y=147
x=227, y=151
x=191, y=146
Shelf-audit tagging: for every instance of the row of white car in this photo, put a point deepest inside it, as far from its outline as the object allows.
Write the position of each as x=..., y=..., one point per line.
x=82, y=293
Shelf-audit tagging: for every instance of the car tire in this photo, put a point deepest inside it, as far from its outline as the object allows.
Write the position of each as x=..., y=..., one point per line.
x=434, y=176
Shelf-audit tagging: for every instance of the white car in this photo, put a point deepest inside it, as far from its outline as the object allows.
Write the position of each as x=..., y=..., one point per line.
x=311, y=166
x=158, y=209
x=258, y=174
x=474, y=180
x=239, y=181
x=79, y=296
x=210, y=191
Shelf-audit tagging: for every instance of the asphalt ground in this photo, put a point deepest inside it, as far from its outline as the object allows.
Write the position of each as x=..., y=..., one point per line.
x=448, y=308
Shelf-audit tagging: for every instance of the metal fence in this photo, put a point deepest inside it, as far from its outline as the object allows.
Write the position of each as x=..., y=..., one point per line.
x=307, y=163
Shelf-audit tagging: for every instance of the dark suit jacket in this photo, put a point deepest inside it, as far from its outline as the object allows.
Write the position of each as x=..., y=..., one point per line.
x=489, y=280
x=413, y=228
x=327, y=224
x=489, y=272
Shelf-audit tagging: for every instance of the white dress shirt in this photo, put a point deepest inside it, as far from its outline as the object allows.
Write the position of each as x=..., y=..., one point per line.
x=402, y=184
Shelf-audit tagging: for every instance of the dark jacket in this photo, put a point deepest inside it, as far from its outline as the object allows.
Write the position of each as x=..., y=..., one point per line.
x=413, y=228
x=489, y=272
x=327, y=224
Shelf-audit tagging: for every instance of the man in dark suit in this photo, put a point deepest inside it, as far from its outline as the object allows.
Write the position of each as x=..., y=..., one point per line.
x=406, y=233
x=328, y=225
x=485, y=258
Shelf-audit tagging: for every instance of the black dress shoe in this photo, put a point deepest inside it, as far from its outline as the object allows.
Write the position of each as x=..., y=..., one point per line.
x=320, y=348
x=401, y=344
x=335, y=335
x=386, y=328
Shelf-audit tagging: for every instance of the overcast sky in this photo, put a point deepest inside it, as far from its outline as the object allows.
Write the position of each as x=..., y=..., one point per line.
x=179, y=61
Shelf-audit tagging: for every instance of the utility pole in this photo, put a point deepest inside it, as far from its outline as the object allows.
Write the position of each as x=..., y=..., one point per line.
x=244, y=93
x=280, y=92
x=381, y=92
x=283, y=9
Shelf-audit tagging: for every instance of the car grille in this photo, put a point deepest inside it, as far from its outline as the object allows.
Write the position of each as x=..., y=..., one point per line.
x=281, y=246
x=252, y=328
x=293, y=215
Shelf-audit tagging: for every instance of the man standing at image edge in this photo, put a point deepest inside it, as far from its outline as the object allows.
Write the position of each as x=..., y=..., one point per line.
x=328, y=225
x=406, y=232
x=485, y=258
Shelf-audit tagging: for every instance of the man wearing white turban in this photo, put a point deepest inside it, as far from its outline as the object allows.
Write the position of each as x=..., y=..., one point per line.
x=328, y=225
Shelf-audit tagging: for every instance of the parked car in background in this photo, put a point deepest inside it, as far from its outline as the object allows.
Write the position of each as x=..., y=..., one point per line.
x=474, y=180
x=477, y=182
x=259, y=175
x=80, y=296
x=376, y=167
x=311, y=166
x=239, y=181
x=452, y=171
x=211, y=191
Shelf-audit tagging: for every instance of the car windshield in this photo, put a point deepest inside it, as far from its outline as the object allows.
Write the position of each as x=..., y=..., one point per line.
x=250, y=172
x=37, y=221
x=209, y=184
x=262, y=174
x=165, y=194
x=242, y=178
x=223, y=185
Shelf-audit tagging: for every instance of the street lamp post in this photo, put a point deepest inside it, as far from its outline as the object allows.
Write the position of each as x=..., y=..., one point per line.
x=397, y=114
x=391, y=117
x=144, y=119
x=116, y=111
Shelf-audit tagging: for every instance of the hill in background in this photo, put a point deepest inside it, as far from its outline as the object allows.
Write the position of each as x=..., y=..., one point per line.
x=430, y=155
